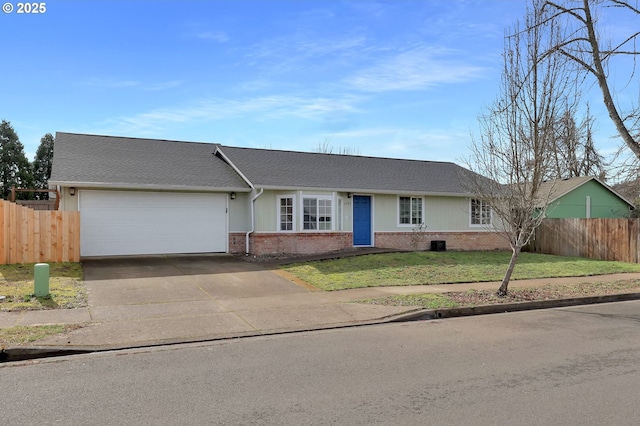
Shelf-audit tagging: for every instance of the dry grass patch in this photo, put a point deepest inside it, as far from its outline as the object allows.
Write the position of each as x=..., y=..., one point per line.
x=22, y=335
x=472, y=298
x=65, y=285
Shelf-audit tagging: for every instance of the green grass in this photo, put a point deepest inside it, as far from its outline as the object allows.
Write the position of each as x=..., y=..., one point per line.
x=65, y=286
x=426, y=268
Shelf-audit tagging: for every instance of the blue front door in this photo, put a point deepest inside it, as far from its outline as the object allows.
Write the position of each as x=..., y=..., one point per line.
x=361, y=220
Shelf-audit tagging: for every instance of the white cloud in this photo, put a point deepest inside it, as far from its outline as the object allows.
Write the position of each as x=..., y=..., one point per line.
x=301, y=51
x=111, y=83
x=255, y=85
x=415, y=69
x=217, y=36
x=404, y=142
x=123, y=83
x=163, y=85
x=366, y=133
x=259, y=108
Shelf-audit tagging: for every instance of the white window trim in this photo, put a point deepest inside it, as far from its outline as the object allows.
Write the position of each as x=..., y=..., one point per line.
x=408, y=225
x=479, y=225
x=331, y=198
x=295, y=206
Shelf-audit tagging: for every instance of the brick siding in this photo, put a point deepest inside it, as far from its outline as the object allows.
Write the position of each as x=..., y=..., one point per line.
x=453, y=240
x=291, y=243
x=324, y=242
x=236, y=242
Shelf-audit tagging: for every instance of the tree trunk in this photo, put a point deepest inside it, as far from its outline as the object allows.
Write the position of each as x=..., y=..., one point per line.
x=601, y=76
x=502, y=291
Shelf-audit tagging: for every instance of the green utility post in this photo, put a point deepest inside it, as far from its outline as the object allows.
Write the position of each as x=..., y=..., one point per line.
x=41, y=280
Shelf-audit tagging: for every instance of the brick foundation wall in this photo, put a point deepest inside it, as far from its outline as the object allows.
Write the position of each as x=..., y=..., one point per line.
x=298, y=243
x=454, y=240
x=323, y=242
x=236, y=242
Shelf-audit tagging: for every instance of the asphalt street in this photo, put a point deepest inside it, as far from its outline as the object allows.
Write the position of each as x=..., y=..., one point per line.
x=564, y=366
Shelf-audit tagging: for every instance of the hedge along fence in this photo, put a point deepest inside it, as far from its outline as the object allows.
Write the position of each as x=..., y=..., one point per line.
x=31, y=236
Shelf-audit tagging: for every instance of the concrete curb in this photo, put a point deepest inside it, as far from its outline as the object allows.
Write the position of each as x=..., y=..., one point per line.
x=429, y=314
x=23, y=353
x=19, y=353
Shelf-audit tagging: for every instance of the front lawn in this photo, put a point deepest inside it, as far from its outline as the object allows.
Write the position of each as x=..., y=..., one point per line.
x=65, y=285
x=425, y=268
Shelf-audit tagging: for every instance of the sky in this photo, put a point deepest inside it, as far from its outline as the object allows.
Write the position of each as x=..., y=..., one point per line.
x=396, y=78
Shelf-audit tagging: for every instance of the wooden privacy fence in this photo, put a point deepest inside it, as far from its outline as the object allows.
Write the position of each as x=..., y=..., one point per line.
x=604, y=239
x=52, y=203
x=30, y=236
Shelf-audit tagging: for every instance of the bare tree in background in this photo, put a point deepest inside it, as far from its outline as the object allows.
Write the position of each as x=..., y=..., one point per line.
x=583, y=46
x=574, y=153
x=517, y=135
x=325, y=147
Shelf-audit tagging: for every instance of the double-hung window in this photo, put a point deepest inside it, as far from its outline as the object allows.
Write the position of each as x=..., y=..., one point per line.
x=480, y=213
x=286, y=213
x=410, y=211
x=317, y=213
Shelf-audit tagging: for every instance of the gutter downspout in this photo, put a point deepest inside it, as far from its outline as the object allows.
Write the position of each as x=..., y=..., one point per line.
x=253, y=221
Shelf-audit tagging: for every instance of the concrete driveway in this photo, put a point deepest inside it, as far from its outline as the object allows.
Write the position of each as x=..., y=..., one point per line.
x=136, y=301
x=182, y=278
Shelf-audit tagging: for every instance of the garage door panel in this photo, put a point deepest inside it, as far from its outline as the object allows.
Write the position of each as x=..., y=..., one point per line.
x=121, y=223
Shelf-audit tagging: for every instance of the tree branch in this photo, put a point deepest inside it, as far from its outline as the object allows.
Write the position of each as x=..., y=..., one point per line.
x=625, y=4
x=564, y=10
x=615, y=51
x=582, y=63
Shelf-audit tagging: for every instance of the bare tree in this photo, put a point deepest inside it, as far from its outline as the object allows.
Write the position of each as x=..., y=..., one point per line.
x=325, y=147
x=583, y=46
x=574, y=153
x=517, y=134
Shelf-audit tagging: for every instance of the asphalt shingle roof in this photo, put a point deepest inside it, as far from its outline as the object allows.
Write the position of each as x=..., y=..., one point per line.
x=288, y=169
x=554, y=189
x=112, y=161
x=130, y=162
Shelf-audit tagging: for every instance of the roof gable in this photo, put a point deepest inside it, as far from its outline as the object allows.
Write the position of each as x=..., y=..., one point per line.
x=558, y=188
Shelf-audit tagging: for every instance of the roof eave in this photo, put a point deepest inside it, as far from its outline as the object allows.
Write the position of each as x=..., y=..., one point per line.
x=131, y=186
x=363, y=190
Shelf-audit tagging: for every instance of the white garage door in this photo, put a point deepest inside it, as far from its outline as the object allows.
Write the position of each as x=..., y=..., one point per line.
x=130, y=222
